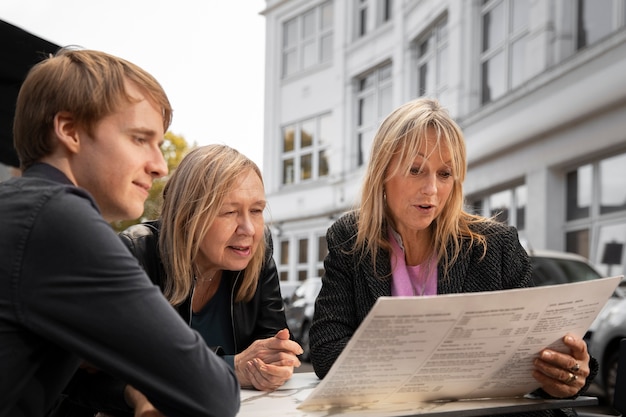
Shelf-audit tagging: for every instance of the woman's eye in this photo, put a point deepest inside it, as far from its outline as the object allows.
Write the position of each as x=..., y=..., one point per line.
x=416, y=170
x=445, y=174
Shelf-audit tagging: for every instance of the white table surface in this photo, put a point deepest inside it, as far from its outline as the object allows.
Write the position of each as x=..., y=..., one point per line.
x=285, y=401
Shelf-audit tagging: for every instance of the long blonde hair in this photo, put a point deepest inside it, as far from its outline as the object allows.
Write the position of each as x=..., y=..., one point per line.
x=192, y=198
x=401, y=134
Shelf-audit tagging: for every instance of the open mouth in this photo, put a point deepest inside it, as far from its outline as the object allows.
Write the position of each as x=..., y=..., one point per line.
x=243, y=250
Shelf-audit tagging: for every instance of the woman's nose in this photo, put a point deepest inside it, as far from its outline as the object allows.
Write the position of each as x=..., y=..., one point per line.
x=246, y=226
x=429, y=187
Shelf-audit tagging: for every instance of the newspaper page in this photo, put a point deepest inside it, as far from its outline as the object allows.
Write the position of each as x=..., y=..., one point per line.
x=458, y=346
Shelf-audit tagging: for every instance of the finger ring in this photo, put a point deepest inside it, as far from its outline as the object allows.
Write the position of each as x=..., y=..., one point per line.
x=575, y=368
x=571, y=378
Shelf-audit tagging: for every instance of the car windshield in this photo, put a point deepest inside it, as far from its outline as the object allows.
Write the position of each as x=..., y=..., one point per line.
x=552, y=271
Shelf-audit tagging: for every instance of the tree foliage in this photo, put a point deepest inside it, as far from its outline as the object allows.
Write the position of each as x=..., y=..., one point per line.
x=174, y=148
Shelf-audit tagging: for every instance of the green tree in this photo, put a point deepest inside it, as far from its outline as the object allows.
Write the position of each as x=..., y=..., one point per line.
x=174, y=148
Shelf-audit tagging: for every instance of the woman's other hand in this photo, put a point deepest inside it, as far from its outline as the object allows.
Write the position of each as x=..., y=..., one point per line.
x=562, y=375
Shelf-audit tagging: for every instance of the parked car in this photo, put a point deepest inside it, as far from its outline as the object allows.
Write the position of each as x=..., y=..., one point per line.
x=603, y=339
x=553, y=267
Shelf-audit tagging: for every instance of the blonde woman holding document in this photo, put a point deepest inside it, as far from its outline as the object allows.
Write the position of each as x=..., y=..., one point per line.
x=412, y=237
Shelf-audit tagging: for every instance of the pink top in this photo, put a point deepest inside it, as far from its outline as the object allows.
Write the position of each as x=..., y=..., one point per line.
x=408, y=280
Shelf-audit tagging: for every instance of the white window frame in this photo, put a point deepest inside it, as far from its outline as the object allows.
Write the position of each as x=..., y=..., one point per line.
x=504, y=47
x=379, y=91
x=293, y=269
x=618, y=20
x=319, y=145
x=596, y=222
x=517, y=197
x=320, y=39
x=371, y=14
x=435, y=59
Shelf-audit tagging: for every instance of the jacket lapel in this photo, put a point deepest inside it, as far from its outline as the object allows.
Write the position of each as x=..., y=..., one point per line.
x=455, y=281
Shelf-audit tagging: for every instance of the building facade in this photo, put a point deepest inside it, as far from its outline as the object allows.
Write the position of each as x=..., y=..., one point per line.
x=538, y=87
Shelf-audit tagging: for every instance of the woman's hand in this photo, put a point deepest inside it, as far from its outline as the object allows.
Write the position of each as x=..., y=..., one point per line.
x=268, y=363
x=562, y=375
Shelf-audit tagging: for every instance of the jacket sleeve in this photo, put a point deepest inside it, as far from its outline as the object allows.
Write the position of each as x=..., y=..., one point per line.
x=107, y=312
x=335, y=317
x=516, y=264
x=100, y=392
x=143, y=242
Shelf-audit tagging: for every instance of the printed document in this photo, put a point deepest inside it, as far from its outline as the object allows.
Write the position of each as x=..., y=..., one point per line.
x=458, y=346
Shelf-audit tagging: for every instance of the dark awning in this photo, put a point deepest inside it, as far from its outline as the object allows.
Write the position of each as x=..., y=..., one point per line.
x=21, y=50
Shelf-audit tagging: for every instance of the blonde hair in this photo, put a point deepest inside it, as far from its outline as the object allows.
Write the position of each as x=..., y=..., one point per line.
x=192, y=198
x=88, y=84
x=401, y=135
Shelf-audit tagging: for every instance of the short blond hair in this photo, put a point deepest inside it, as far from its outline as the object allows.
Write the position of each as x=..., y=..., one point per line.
x=88, y=84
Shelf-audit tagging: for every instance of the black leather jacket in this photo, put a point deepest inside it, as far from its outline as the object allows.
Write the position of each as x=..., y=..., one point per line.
x=259, y=318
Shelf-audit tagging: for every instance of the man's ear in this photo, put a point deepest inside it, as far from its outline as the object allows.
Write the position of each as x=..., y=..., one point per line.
x=66, y=130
